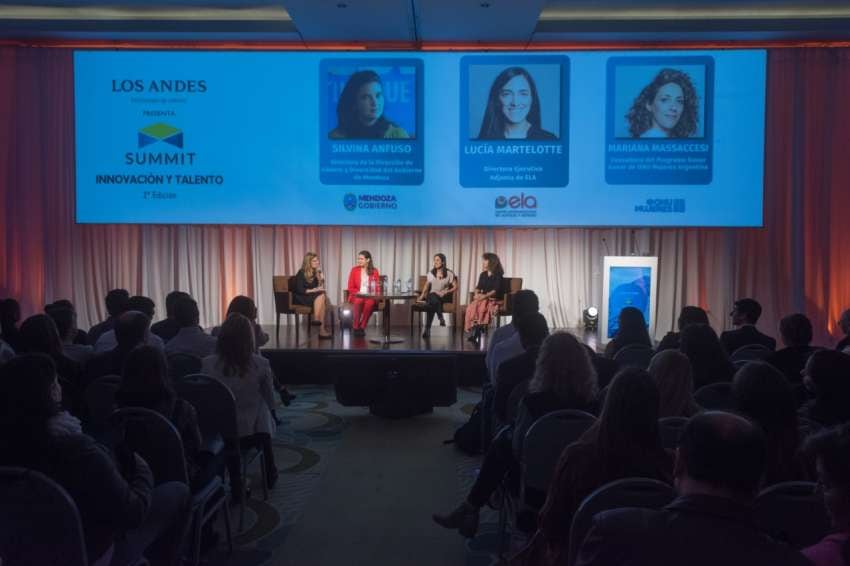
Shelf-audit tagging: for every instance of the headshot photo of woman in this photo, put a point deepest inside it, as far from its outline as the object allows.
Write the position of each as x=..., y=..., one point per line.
x=666, y=108
x=513, y=109
x=360, y=110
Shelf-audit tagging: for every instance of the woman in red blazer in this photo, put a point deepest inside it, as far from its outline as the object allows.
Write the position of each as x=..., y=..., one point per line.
x=358, y=282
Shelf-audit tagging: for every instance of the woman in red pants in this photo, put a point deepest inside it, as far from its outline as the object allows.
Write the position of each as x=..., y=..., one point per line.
x=358, y=282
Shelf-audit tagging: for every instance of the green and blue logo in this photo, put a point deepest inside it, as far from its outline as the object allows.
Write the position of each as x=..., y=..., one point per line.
x=160, y=132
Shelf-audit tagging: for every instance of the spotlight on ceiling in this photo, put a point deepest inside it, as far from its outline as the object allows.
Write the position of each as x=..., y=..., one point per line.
x=590, y=317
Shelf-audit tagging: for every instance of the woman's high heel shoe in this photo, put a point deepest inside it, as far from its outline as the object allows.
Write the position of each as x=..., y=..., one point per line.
x=464, y=518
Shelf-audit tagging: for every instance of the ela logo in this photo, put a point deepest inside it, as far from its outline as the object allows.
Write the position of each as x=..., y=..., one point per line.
x=160, y=132
x=521, y=201
x=349, y=201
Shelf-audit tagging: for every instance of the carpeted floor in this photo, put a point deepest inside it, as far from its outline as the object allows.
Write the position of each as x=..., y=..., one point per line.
x=360, y=489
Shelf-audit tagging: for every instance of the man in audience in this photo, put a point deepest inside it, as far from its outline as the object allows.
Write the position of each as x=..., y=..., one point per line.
x=718, y=466
x=745, y=315
x=116, y=303
x=131, y=328
x=10, y=316
x=504, y=343
x=688, y=316
x=844, y=325
x=796, y=332
x=66, y=325
x=140, y=304
x=169, y=327
x=191, y=338
x=80, y=336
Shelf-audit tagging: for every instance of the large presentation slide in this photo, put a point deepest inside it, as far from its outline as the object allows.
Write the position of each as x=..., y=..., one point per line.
x=630, y=138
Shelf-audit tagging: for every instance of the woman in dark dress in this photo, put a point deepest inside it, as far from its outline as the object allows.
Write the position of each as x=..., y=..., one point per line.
x=488, y=291
x=310, y=291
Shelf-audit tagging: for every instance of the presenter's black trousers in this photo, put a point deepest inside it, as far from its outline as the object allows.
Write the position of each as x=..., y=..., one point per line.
x=434, y=305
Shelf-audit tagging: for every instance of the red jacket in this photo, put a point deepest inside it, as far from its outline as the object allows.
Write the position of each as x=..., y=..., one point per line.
x=354, y=280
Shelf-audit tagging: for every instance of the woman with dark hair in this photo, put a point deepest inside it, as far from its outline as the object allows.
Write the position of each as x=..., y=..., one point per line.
x=709, y=360
x=762, y=394
x=513, y=108
x=361, y=277
x=688, y=315
x=115, y=502
x=39, y=335
x=831, y=451
x=564, y=378
x=10, y=315
x=439, y=286
x=623, y=443
x=631, y=330
x=310, y=291
x=665, y=108
x=671, y=371
x=360, y=110
x=488, y=291
x=249, y=376
x=827, y=377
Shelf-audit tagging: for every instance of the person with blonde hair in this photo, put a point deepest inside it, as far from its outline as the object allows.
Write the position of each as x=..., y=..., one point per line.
x=671, y=371
x=310, y=291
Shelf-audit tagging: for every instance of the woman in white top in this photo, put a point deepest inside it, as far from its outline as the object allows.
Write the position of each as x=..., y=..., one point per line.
x=249, y=376
x=438, y=289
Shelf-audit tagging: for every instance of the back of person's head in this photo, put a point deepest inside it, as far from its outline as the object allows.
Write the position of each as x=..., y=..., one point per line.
x=244, y=306
x=525, y=301
x=671, y=371
x=186, y=312
x=144, y=379
x=844, y=322
x=702, y=346
x=10, y=314
x=235, y=345
x=692, y=315
x=746, y=311
x=142, y=304
x=39, y=335
x=762, y=393
x=796, y=330
x=116, y=301
x=564, y=367
x=171, y=301
x=725, y=452
x=632, y=328
x=65, y=320
x=532, y=329
x=60, y=304
x=29, y=396
x=628, y=424
x=131, y=329
x=830, y=449
x=827, y=375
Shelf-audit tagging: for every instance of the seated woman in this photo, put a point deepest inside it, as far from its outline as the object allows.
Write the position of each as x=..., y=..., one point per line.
x=123, y=515
x=631, y=330
x=439, y=286
x=249, y=376
x=671, y=371
x=826, y=379
x=564, y=378
x=709, y=362
x=310, y=291
x=483, y=306
x=359, y=278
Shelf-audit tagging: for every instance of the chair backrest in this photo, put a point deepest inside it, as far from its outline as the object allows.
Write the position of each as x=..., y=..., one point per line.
x=39, y=522
x=100, y=402
x=423, y=279
x=792, y=512
x=629, y=492
x=511, y=286
x=519, y=391
x=283, y=286
x=715, y=396
x=634, y=355
x=155, y=439
x=751, y=352
x=670, y=429
x=180, y=365
x=214, y=403
x=544, y=442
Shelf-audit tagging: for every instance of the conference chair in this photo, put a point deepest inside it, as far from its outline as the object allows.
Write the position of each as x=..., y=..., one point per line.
x=792, y=512
x=450, y=307
x=506, y=304
x=284, y=303
x=670, y=429
x=715, y=397
x=634, y=355
x=99, y=399
x=751, y=353
x=39, y=522
x=645, y=493
x=156, y=440
x=180, y=365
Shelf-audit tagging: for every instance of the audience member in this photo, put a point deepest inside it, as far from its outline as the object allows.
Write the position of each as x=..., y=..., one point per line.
x=709, y=362
x=844, y=325
x=563, y=379
x=623, y=443
x=763, y=395
x=718, y=468
x=10, y=316
x=796, y=332
x=606, y=368
x=144, y=305
x=66, y=325
x=745, y=314
x=39, y=336
x=80, y=337
x=671, y=371
x=123, y=515
x=168, y=327
x=827, y=377
x=131, y=327
x=249, y=377
x=6, y=352
x=116, y=303
x=689, y=315
x=532, y=330
x=191, y=338
x=632, y=330
x=830, y=449
x=504, y=342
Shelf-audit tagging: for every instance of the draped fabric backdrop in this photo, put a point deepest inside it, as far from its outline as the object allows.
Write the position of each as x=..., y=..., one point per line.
x=797, y=263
